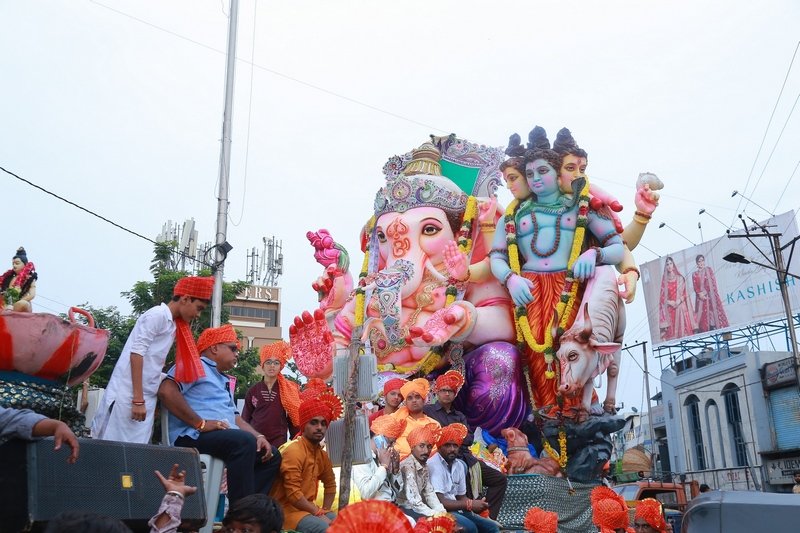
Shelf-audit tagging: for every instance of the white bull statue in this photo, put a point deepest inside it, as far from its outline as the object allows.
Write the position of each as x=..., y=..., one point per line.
x=593, y=345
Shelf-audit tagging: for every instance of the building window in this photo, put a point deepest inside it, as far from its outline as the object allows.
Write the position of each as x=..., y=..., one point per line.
x=731, y=394
x=270, y=316
x=714, y=433
x=695, y=428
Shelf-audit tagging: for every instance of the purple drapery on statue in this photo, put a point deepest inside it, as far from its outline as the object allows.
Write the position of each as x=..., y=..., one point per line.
x=493, y=396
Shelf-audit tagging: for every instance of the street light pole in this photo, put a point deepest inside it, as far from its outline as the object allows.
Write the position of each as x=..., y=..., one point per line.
x=224, y=168
x=777, y=252
x=783, y=274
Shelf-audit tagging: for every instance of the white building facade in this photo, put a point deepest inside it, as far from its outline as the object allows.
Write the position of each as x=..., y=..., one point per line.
x=729, y=422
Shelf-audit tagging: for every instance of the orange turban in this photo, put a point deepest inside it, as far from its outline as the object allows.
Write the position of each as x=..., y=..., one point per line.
x=279, y=350
x=428, y=433
x=452, y=433
x=195, y=287
x=419, y=385
x=370, y=516
x=393, y=384
x=388, y=426
x=540, y=521
x=187, y=356
x=452, y=379
x=224, y=334
x=314, y=387
x=435, y=524
x=609, y=510
x=326, y=405
x=649, y=510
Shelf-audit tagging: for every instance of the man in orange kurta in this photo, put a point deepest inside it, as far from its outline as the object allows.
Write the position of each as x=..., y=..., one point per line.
x=416, y=394
x=304, y=465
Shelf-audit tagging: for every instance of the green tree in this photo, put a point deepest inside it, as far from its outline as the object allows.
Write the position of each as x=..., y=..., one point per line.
x=147, y=294
x=246, y=371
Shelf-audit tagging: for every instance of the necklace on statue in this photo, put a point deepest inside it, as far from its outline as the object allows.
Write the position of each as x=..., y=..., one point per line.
x=535, y=236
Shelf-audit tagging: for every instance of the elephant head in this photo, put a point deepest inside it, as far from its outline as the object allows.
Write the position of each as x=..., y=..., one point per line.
x=417, y=213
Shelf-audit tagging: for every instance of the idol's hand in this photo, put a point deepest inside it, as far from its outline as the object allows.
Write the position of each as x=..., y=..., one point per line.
x=628, y=280
x=456, y=262
x=646, y=199
x=520, y=289
x=487, y=210
x=440, y=327
x=583, y=268
x=312, y=344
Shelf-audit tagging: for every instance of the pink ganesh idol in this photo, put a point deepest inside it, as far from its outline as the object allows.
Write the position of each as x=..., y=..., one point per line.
x=426, y=298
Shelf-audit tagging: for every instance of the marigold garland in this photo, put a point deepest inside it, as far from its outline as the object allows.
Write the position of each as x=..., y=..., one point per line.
x=562, y=448
x=568, y=295
x=360, y=302
x=464, y=241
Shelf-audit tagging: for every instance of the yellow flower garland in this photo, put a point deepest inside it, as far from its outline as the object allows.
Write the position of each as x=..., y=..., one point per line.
x=565, y=305
x=360, y=303
x=464, y=241
x=562, y=447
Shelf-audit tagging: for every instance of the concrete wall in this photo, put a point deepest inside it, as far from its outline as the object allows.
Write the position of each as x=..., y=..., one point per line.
x=706, y=384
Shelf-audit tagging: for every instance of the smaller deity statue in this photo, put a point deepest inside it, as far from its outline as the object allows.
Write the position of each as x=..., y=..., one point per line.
x=18, y=284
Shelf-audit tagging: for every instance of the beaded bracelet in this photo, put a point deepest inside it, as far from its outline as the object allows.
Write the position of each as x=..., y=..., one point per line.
x=455, y=281
x=598, y=257
x=633, y=269
x=506, y=278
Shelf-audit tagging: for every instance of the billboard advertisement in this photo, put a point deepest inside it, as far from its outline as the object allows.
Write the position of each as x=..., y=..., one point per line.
x=693, y=292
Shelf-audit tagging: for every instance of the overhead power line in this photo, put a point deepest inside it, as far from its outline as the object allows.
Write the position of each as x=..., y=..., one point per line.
x=766, y=130
x=275, y=72
x=101, y=217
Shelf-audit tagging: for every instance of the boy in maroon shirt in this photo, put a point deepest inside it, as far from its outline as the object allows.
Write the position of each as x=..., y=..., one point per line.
x=271, y=405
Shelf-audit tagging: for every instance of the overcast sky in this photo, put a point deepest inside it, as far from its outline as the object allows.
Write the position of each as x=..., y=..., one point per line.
x=117, y=105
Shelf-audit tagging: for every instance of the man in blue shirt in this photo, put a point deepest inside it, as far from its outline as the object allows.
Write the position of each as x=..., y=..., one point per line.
x=449, y=480
x=203, y=415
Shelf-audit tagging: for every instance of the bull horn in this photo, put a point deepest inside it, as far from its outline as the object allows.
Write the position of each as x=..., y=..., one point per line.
x=554, y=328
x=587, y=325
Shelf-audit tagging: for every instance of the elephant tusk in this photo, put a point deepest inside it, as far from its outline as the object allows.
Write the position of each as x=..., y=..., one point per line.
x=436, y=274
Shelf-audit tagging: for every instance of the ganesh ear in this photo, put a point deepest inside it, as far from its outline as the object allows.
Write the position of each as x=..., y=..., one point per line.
x=607, y=347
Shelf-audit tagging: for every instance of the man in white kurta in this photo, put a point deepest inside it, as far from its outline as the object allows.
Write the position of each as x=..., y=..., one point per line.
x=128, y=406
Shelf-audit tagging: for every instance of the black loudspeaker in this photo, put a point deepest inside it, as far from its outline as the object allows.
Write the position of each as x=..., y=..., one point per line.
x=110, y=478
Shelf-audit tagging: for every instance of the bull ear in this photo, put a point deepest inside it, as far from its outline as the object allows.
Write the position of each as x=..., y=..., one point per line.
x=554, y=327
x=606, y=347
x=587, y=324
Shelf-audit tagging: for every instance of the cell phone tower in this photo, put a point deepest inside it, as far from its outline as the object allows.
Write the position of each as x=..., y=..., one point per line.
x=254, y=266
x=272, y=260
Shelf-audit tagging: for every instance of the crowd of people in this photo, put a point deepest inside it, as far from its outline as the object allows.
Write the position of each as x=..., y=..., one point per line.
x=422, y=465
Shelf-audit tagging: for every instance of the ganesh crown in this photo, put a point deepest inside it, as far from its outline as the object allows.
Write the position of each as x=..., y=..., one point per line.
x=420, y=184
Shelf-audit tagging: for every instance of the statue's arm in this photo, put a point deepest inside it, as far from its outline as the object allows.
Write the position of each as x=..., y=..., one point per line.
x=611, y=249
x=629, y=275
x=499, y=253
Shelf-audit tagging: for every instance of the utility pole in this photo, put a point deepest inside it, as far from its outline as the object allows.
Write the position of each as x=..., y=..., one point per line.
x=643, y=344
x=221, y=246
x=777, y=253
x=777, y=264
x=349, y=417
x=649, y=413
